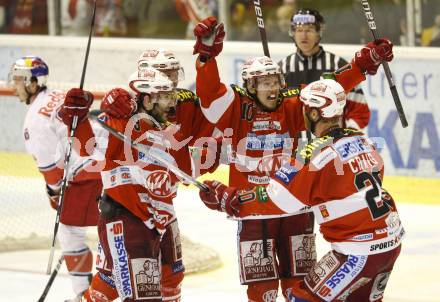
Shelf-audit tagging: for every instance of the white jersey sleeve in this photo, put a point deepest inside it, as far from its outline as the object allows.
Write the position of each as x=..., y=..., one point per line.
x=40, y=133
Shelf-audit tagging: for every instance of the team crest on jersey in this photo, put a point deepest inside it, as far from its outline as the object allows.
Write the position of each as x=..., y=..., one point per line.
x=146, y=276
x=379, y=286
x=159, y=183
x=270, y=295
x=254, y=265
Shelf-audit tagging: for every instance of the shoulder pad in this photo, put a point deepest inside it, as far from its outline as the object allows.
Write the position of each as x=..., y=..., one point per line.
x=186, y=95
x=289, y=92
x=241, y=91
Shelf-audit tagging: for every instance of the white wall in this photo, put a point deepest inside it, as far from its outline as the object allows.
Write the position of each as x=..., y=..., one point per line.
x=411, y=151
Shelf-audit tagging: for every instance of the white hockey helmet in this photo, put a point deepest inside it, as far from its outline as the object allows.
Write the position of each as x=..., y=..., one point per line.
x=328, y=96
x=149, y=80
x=260, y=66
x=29, y=67
x=161, y=59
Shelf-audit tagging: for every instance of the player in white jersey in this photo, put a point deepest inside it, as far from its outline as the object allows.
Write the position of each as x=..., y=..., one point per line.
x=46, y=140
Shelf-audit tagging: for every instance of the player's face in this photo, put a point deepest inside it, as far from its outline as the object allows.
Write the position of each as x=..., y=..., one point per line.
x=306, y=38
x=164, y=108
x=267, y=88
x=19, y=87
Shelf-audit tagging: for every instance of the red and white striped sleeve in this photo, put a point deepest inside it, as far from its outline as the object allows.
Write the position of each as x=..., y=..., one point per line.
x=216, y=98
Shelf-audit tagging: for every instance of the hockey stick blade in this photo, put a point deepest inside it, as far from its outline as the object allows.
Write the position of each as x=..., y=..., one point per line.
x=51, y=279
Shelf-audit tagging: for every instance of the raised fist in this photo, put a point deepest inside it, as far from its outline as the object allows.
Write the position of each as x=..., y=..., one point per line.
x=76, y=103
x=220, y=197
x=369, y=58
x=118, y=103
x=210, y=36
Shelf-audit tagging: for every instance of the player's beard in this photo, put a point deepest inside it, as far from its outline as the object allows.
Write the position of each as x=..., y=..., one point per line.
x=310, y=125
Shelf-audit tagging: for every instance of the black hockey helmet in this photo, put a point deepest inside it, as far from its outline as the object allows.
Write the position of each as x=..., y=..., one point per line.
x=307, y=16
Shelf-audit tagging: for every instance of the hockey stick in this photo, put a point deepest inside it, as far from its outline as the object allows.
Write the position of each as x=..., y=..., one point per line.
x=372, y=25
x=260, y=23
x=52, y=277
x=142, y=148
x=69, y=151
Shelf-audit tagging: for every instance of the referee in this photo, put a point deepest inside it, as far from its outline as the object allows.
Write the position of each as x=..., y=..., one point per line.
x=311, y=60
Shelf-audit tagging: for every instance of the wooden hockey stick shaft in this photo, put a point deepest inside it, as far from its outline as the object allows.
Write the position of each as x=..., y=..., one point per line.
x=372, y=25
x=51, y=279
x=69, y=151
x=260, y=24
x=94, y=116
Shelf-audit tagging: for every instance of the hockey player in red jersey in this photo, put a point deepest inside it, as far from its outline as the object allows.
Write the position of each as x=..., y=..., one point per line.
x=188, y=116
x=339, y=175
x=190, y=121
x=45, y=138
x=265, y=119
x=136, y=210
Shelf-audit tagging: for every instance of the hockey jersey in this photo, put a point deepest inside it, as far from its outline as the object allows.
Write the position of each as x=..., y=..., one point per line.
x=258, y=142
x=135, y=178
x=339, y=176
x=46, y=138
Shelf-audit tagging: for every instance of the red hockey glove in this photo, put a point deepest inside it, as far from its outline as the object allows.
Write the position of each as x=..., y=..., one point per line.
x=369, y=58
x=118, y=103
x=220, y=197
x=54, y=197
x=210, y=36
x=76, y=103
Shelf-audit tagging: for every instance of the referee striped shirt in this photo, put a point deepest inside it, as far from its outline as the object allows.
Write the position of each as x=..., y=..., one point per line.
x=300, y=69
